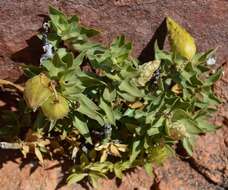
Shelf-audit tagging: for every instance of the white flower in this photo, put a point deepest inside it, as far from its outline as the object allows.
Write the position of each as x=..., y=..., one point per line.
x=48, y=52
x=211, y=61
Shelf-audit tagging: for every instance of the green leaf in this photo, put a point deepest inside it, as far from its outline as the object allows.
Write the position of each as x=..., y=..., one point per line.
x=68, y=59
x=129, y=112
x=118, y=171
x=109, y=95
x=213, y=78
x=109, y=115
x=149, y=169
x=78, y=60
x=76, y=177
x=126, y=96
x=82, y=127
x=135, y=150
x=58, y=20
x=52, y=70
x=195, y=81
x=74, y=19
x=101, y=167
x=119, y=167
x=70, y=85
x=31, y=70
x=191, y=126
x=208, y=97
x=72, y=92
x=203, y=57
x=60, y=63
x=88, y=31
x=87, y=107
x=154, y=129
x=89, y=103
x=179, y=114
x=204, y=125
x=127, y=71
x=184, y=119
x=55, y=40
x=126, y=86
x=188, y=145
x=119, y=50
x=88, y=47
x=94, y=179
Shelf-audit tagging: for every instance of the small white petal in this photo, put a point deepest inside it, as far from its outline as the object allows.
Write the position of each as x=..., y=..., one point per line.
x=211, y=61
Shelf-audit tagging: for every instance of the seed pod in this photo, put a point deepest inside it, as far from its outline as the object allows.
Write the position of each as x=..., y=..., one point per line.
x=55, y=108
x=177, y=131
x=158, y=153
x=37, y=91
x=181, y=41
x=146, y=72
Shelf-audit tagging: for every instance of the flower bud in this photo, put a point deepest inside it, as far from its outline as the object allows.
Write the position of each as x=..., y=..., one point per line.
x=180, y=40
x=37, y=91
x=56, y=107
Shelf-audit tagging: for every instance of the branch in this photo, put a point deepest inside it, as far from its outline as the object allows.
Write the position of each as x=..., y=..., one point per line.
x=7, y=145
x=6, y=82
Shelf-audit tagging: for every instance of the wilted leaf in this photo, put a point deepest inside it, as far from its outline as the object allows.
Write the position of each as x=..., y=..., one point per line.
x=38, y=154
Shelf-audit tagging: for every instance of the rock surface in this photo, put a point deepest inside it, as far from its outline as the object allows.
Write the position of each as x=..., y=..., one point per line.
x=178, y=175
x=141, y=22
x=29, y=175
x=137, y=19
x=210, y=158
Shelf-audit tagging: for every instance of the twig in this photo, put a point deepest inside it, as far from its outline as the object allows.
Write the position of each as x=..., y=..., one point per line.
x=6, y=82
x=7, y=145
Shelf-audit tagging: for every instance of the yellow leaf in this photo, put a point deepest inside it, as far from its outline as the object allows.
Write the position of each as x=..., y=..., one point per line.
x=176, y=89
x=104, y=156
x=38, y=154
x=135, y=105
x=114, y=150
x=101, y=147
x=121, y=147
x=25, y=150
